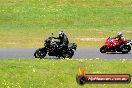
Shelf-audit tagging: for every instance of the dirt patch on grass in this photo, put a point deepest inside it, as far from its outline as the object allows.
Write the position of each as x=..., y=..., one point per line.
x=4, y=42
x=90, y=39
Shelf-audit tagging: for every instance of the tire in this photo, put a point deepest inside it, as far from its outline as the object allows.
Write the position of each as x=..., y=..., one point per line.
x=40, y=53
x=81, y=80
x=103, y=49
x=126, y=49
x=68, y=54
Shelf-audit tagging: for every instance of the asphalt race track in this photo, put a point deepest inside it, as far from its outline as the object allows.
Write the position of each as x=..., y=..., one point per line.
x=80, y=53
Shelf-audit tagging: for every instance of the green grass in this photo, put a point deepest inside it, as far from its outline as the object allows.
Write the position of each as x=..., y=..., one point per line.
x=25, y=23
x=58, y=73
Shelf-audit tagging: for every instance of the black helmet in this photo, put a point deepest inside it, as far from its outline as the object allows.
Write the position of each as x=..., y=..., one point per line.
x=61, y=34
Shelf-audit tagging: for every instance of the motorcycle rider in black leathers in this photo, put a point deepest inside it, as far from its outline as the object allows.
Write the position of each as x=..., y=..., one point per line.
x=119, y=36
x=63, y=44
x=120, y=39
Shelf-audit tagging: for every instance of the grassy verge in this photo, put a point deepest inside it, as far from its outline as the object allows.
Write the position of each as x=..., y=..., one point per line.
x=56, y=73
x=34, y=39
x=27, y=23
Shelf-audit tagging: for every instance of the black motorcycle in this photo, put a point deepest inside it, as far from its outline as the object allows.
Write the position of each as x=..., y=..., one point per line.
x=53, y=48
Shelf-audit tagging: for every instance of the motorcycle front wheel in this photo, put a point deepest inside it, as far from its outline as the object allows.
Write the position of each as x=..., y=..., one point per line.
x=40, y=53
x=103, y=49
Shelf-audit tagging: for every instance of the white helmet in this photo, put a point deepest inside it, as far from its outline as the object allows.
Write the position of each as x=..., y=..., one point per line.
x=120, y=33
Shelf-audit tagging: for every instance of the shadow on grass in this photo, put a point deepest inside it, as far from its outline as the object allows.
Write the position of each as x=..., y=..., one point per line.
x=51, y=58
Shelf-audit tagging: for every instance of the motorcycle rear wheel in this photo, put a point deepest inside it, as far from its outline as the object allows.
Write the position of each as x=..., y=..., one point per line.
x=68, y=54
x=126, y=49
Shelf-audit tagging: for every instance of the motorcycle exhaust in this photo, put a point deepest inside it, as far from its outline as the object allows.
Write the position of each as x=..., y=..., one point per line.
x=129, y=42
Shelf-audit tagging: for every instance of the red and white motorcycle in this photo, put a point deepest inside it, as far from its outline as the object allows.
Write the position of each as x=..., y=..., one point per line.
x=113, y=45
